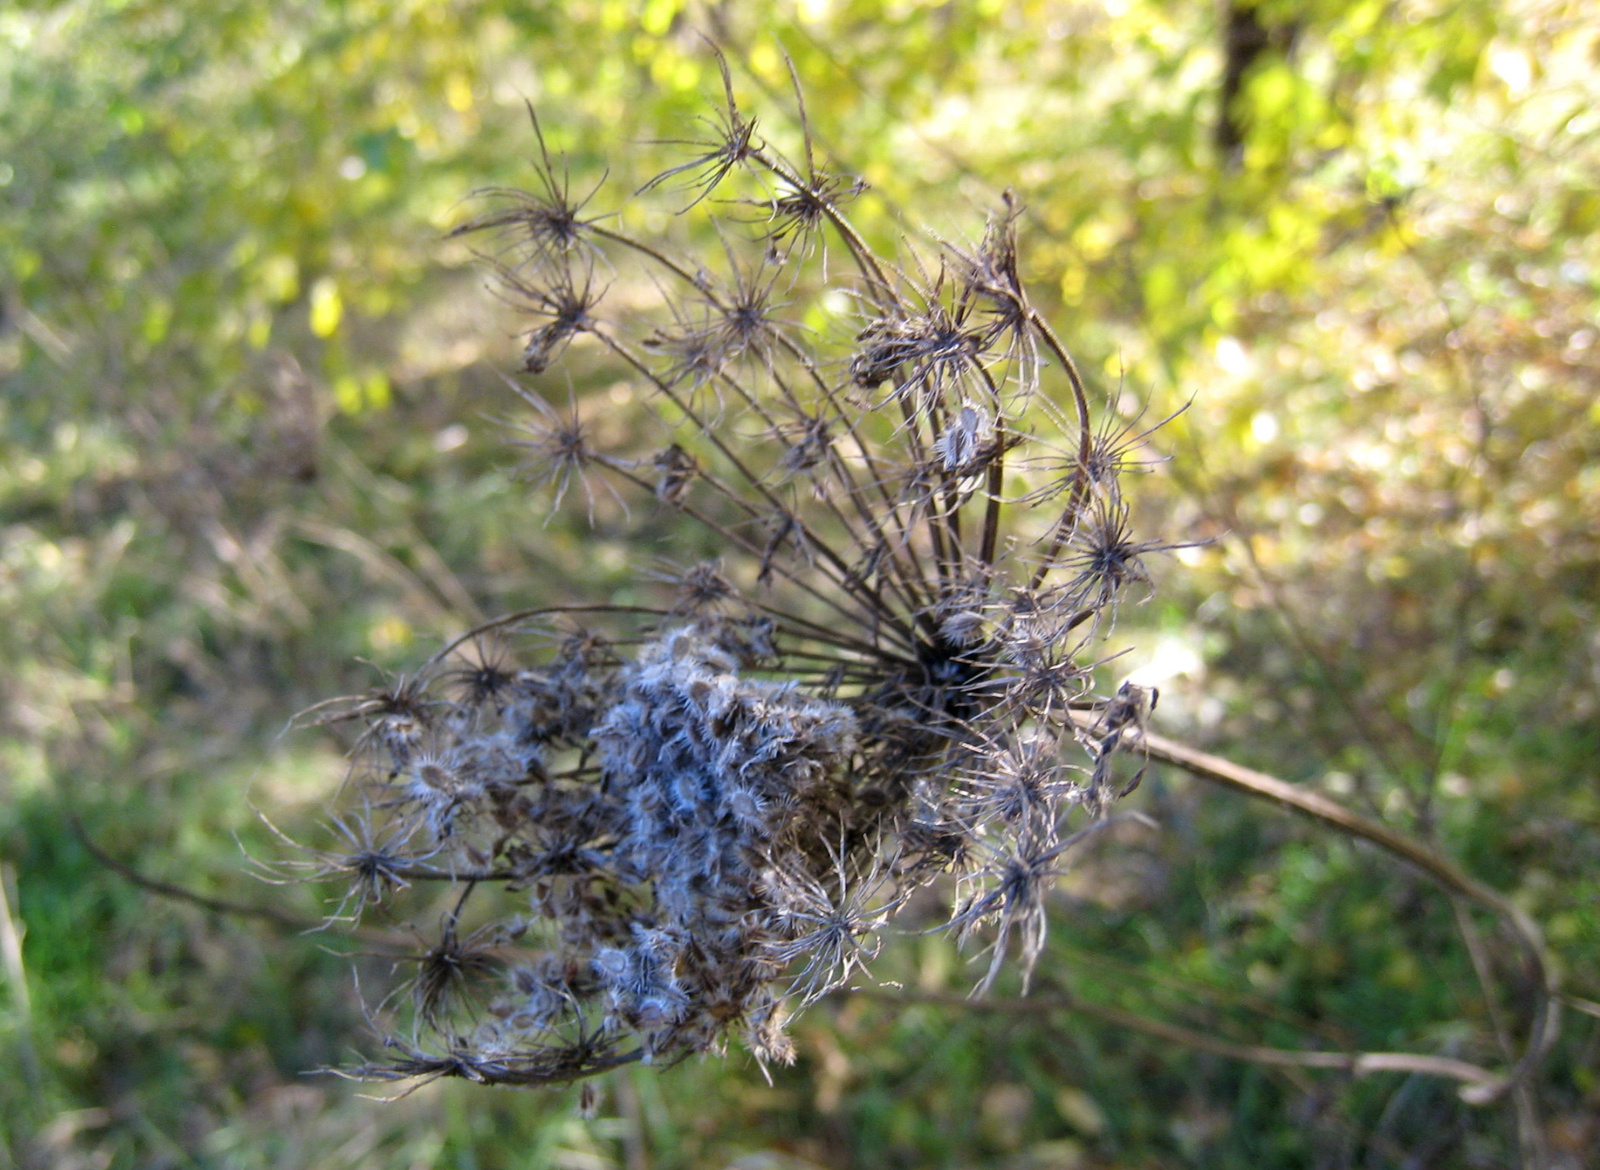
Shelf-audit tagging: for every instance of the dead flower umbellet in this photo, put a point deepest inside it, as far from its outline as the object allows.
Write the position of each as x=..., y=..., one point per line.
x=685, y=822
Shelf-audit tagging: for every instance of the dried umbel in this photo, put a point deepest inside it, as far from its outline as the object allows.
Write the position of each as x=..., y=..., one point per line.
x=687, y=821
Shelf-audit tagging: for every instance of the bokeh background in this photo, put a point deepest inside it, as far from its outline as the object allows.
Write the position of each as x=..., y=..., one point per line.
x=255, y=451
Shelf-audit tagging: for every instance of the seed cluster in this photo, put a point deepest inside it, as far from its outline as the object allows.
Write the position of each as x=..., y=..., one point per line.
x=685, y=821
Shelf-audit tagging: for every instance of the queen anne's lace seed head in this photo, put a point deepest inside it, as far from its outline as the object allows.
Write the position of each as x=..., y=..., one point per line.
x=701, y=809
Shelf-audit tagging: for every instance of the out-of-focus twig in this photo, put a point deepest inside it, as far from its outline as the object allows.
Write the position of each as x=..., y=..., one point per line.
x=291, y=922
x=17, y=976
x=1477, y=1080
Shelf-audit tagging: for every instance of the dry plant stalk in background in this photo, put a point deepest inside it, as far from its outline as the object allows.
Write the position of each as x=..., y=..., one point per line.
x=693, y=819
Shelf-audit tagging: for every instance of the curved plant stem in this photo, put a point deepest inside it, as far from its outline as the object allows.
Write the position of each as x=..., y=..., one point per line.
x=1444, y=872
x=225, y=906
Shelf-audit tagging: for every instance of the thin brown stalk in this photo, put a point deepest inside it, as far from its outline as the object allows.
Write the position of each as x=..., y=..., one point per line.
x=1480, y=1085
x=1445, y=873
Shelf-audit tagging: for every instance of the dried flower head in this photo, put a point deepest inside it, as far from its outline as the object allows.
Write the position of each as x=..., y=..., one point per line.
x=701, y=812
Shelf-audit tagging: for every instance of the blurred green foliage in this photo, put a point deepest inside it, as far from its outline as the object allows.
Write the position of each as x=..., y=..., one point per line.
x=252, y=440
